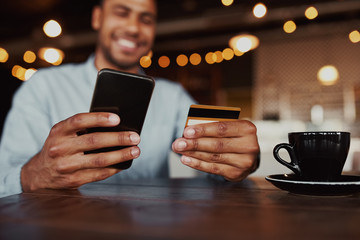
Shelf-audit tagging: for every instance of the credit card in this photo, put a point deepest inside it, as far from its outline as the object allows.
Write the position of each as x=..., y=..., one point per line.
x=210, y=113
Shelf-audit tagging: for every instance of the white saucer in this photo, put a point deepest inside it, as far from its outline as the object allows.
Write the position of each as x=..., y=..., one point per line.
x=346, y=185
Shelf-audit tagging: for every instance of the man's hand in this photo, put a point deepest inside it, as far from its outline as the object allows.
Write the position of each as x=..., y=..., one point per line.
x=229, y=149
x=62, y=163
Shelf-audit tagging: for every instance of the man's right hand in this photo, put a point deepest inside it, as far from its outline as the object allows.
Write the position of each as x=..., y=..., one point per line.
x=62, y=163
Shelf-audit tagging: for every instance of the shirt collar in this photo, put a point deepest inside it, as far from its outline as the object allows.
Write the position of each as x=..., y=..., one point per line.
x=92, y=70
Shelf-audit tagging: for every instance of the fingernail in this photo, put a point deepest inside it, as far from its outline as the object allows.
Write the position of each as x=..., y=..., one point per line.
x=181, y=145
x=135, y=152
x=113, y=118
x=134, y=138
x=190, y=132
x=186, y=160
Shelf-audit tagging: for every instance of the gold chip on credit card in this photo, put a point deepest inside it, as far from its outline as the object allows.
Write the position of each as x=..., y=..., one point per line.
x=209, y=113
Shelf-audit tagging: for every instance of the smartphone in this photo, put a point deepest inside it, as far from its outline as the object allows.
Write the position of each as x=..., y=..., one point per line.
x=125, y=94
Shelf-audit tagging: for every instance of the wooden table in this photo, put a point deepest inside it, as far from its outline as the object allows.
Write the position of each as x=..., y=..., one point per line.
x=178, y=209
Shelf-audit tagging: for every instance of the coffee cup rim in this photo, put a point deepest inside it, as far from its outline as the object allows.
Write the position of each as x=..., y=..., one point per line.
x=319, y=132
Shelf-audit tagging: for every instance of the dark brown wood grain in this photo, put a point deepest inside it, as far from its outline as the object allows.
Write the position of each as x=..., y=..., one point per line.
x=178, y=209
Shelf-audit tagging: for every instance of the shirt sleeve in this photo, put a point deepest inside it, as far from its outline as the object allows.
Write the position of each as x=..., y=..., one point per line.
x=25, y=130
x=184, y=102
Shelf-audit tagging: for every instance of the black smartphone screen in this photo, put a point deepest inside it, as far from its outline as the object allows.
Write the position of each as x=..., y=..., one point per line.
x=125, y=94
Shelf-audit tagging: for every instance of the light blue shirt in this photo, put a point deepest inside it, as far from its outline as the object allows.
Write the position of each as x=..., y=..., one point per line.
x=56, y=93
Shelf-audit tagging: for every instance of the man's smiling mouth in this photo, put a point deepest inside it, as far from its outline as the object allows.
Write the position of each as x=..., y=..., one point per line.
x=127, y=43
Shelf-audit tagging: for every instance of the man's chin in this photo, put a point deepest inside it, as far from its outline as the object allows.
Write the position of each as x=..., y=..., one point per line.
x=126, y=65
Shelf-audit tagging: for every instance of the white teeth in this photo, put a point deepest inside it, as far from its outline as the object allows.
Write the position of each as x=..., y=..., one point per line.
x=127, y=43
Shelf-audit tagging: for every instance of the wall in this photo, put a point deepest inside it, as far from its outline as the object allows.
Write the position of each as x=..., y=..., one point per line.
x=286, y=87
x=286, y=75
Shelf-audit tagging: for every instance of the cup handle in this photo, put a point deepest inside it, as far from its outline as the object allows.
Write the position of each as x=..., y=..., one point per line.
x=293, y=164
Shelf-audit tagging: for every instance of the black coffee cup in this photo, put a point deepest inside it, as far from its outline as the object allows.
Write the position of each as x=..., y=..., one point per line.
x=315, y=156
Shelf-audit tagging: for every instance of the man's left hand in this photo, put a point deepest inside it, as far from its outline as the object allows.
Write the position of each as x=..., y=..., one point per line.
x=229, y=149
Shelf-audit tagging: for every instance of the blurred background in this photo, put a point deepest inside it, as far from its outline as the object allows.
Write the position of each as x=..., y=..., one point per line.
x=290, y=65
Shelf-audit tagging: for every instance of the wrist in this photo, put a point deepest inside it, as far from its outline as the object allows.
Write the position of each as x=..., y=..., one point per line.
x=257, y=162
x=24, y=180
x=27, y=176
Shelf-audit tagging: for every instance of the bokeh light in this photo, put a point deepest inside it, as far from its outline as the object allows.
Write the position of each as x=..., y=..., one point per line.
x=219, y=57
x=29, y=57
x=182, y=60
x=51, y=55
x=259, y=10
x=210, y=58
x=311, y=13
x=328, y=75
x=145, y=61
x=164, y=61
x=227, y=2
x=29, y=72
x=18, y=72
x=354, y=36
x=244, y=42
x=52, y=28
x=228, y=53
x=238, y=53
x=4, y=56
x=289, y=26
x=195, y=59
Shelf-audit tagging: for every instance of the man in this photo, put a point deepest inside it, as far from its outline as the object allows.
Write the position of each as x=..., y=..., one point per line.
x=39, y=149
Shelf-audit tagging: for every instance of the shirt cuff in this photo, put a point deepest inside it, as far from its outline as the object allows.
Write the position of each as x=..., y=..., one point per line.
x=12, y=182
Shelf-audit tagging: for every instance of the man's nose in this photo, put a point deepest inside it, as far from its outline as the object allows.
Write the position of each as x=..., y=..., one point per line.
x=133, y=25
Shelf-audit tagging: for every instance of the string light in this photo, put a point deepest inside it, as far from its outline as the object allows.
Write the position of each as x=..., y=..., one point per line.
x=51, y=55
x=209, y=58
x=18, y=72
x=29, y=57
x=182, y=60
x=219, y=57
x=53, y=29
x=244, y=42
x=228, y=53
x=145, y=61
x=195, y=59
x=238, y=53
x=164, y=61
x=4, y=56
